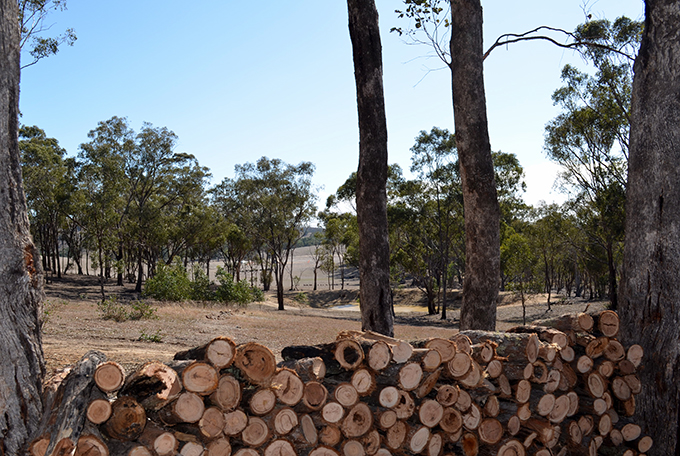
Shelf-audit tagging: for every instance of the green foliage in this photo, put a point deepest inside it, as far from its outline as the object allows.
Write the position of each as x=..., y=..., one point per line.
x=240, y=292
x=32, y=15
x=301, y=297
x=112, y=309
x=140, y=310
x=156, y=337
x=169, y=283
x=201, y=286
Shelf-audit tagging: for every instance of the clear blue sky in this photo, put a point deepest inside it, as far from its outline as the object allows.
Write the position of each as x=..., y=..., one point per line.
x=238, y=80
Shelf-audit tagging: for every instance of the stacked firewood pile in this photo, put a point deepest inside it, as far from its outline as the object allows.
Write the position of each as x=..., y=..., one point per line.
x=564, y=387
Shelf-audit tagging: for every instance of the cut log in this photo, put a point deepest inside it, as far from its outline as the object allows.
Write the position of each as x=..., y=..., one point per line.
x=346, y=395
x=166, y=444
x=512, y=448
x=447, y=395
x=523, y=391
x=596, y=348
x=379, y=356
x=418, y=439
x=153, y=385
x=405, y=407
x=219, y=352
x=314, y=395
x=349, y=353
x=545, y=405
x=308, y=369
x=472, y=418
x=410, y=376
x=459, y=365
x=127, y=421
x=353, y=448
x=490, y=431
x=445, y=347
x=109, y=376
x=395, y=436
x=219, y=447
x=584, y=364
x=309, y=429
x=211, y=423
x=333, y=412
x=435, y=446
x=256, y=362
x=631, y=432
x=464, y=401
x=262, y=401
x=358, y=421
x=323, y=451
x=235, y=422
x=200, y=378
x=371, y=442
x=280, y=447
x=91, y=445
x=470, y=445
x=451, y=421
x=494, y=368
x=596, y=384
x=614, y=351
x=363, y=381
x=388, y=397
x=330, y=435
x=387, y=419
x=256, y=433
x=645, y=444
x=635, y=354
x=473, y=377
x=430, y=413
x=560, y=409
x=285, y=421
x=492, y=407
x=140, y=450
x=187, y=408
x=608, y=323
x=227, y=396
x=428, y=384
x=191, y=449
x=99, y=411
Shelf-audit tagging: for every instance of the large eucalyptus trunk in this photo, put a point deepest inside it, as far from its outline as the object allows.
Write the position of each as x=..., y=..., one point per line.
x=374, y=249
x=649, y=299
x=482, y=213
x=21, y=364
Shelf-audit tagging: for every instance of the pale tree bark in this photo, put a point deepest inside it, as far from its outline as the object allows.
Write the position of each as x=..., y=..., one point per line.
x=649, y=299
x=371, y=197
x=21, y=362
x=482, y=213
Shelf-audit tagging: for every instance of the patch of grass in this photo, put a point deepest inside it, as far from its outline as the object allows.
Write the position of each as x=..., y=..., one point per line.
x=156, y=338
x=112, y=309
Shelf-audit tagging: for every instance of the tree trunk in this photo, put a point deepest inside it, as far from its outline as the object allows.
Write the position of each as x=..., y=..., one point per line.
x=482, y=213
x=649, y=289
x=22, y=367
x=371, y=196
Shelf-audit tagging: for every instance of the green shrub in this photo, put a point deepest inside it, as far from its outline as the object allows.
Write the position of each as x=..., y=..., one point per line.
x=140, y=310
x=301, y=297
x=201, y=286
x=170, y=283
x=156, y=337
x=240, y=292
x=111, y=309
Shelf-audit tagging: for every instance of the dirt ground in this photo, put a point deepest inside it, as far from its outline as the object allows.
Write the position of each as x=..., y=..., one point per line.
x=74, y=325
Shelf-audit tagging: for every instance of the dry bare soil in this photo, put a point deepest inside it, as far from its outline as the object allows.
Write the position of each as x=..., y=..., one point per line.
x=74, y=325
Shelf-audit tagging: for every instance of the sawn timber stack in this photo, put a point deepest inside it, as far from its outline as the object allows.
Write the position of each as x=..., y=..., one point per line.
x=560, y=387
